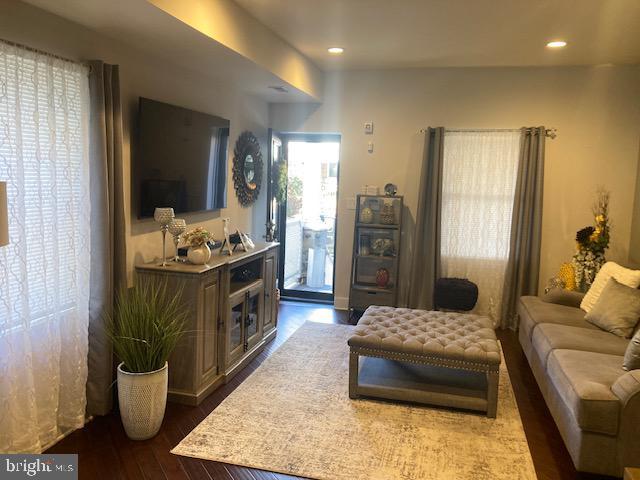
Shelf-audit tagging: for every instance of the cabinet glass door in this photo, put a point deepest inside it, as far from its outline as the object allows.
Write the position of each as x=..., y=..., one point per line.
x=254, y=309
x=236, y=326
x=234, y=333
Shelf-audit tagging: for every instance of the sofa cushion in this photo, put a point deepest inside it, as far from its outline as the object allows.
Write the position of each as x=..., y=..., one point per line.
x=583, y=380
x=549, y=336
x=533, y=311
x=617, y=309
x=626, y=276
x=632, y=354
x=560, y=296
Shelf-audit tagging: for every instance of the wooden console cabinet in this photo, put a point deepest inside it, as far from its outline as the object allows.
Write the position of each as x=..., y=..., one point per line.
x=233, y=313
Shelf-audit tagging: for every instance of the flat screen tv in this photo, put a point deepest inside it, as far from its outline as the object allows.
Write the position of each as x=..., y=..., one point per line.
x=181, y=159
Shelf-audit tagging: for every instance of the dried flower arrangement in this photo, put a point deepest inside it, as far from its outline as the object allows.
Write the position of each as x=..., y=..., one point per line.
x=197, y=237
x=591, y=243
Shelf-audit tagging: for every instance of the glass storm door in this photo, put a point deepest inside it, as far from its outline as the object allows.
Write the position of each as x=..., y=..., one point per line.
x=307, y=221
x=275, y=182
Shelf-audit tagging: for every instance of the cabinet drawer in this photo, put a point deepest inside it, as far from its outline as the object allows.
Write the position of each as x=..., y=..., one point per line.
x=364, y=298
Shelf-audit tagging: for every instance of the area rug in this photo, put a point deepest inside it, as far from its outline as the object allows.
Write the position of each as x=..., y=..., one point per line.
x=293, y=415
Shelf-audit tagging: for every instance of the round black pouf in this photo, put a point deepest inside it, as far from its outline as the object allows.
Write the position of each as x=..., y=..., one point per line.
x=455, y=294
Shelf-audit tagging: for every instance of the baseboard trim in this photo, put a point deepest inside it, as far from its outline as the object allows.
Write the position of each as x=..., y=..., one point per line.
x=341, y=303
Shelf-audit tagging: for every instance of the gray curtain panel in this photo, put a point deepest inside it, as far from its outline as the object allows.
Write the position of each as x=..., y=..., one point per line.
x=107, y=227
x=425, y=265
x=523, y=267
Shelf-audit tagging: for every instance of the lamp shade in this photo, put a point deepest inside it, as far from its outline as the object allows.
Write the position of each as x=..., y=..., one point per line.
x=4, y=215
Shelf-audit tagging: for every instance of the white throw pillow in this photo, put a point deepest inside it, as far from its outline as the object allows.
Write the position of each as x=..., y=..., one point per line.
x=626, y=276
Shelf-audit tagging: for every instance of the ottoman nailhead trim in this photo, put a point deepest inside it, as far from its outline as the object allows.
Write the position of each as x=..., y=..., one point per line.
x=426, y=360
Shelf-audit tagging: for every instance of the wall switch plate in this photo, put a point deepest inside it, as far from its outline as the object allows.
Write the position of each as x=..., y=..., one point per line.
x=368, y=128
x=370, y=147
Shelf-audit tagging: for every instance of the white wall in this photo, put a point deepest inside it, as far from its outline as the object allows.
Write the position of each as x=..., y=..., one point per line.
x=142, y=75
x=634, y=246
x=229, y=24
x=595, y=109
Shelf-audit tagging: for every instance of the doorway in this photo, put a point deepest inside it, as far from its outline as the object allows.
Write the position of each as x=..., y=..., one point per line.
x=306, y=220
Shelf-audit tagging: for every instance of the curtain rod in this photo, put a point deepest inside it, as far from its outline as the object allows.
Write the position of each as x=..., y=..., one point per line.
x=42, y=52
x=549, y=132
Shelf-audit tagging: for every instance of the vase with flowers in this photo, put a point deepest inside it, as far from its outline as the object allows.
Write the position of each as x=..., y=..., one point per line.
x=199, y=252
x=591, y=243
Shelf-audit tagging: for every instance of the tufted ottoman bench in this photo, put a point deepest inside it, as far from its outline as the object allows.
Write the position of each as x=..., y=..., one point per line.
x=439, y=358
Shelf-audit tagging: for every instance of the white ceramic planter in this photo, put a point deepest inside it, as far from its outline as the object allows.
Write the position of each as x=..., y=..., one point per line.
x=142, y=398
x=199, y=255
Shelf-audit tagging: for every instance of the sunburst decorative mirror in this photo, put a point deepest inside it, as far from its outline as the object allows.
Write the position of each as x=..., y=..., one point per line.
x=247, y=168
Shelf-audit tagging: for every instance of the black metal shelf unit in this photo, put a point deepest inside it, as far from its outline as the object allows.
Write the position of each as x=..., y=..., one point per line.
x=376, y=251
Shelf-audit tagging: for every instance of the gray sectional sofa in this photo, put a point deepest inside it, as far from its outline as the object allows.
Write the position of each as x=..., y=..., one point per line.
x=595, y=403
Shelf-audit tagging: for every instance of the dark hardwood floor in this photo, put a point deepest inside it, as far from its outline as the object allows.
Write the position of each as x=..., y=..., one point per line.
x=105, y=452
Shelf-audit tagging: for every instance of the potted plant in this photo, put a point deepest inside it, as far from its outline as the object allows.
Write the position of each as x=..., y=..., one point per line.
x=145, y=326
x=199, y=252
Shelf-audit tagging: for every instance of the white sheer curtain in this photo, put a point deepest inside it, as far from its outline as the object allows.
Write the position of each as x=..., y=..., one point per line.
x=44, y=272
x=478, y=188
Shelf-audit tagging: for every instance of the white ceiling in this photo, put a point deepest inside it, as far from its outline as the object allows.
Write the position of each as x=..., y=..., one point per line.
x=148, y=29
x=439, y=33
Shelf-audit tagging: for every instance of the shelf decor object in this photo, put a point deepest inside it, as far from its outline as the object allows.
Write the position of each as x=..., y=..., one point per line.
x=198, y=240
x=177, y=228
x=390, y=189
x=387, y=214
x=382, y=277
x=164, y=216
x=376, y=252
x=366, y=215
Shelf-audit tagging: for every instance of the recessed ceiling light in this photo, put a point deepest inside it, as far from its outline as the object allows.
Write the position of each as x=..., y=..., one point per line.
x=335, y=50
x=557, y=44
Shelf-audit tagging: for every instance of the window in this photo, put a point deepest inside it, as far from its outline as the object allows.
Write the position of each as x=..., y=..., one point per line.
x=44, y=271
x=43, y=158
x=478, y=187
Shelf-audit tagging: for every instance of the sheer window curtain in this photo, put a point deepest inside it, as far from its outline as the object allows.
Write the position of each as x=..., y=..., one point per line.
x=44, y=272
x=478, y=187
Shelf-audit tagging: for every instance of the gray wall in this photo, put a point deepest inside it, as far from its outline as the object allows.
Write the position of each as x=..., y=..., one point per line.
x=595, y=109
x=634, y=246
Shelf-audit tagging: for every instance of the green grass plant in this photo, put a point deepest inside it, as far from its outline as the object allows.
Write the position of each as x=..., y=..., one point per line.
x=146, y=324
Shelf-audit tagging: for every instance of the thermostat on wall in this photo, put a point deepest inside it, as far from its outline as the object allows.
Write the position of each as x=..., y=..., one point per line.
x=368, y=128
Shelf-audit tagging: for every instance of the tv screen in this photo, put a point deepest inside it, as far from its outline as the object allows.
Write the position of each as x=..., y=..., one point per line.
x=181, y=159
